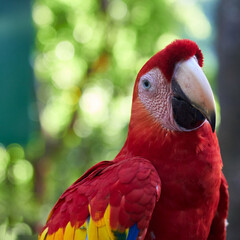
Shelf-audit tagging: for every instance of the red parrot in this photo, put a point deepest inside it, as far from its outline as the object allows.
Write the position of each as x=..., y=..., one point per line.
x=166, y=182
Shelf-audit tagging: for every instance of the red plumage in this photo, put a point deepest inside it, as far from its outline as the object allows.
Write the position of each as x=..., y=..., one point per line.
x=184, y=166
x=118, y=184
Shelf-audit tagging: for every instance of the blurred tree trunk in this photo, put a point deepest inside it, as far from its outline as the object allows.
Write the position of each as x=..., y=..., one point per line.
x=229, y=93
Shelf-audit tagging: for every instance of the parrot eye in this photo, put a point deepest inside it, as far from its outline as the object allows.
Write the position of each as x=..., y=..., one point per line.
x=146, y=84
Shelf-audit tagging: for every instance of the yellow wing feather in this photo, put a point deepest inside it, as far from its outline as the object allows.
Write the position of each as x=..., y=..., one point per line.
x=80, y=234
x=91, y=230
x=69, y=232
x=103, y=233
x=43, y=235
x=99, y=229
x=107, y=222
x=51, y=237
x=59, y=234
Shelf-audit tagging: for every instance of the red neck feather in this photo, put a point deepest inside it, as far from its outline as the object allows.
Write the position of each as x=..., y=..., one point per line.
x=148, y=139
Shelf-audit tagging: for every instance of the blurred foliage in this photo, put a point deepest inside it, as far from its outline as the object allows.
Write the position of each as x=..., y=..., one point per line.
x=87, y=56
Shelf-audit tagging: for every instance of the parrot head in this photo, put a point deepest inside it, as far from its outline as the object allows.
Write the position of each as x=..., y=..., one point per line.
x=173, y=91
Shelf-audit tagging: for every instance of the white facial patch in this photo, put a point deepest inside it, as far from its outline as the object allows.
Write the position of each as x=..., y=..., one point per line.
x=156, y=95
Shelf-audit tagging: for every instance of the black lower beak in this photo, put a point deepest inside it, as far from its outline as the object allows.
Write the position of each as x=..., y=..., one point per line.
x=212, y=120
x=185, y=113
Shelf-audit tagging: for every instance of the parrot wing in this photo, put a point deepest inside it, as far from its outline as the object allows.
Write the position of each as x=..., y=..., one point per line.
x=112, y=200
x=219, y=224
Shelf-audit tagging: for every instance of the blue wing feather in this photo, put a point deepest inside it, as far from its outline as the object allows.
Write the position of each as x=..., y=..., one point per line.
x=133, y=232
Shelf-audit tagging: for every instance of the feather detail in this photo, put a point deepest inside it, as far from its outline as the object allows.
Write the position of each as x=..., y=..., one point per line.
x=43, y=234
x=107, y=221
x=59, y=234
x=91, y=230
x=69, y=232
x=102, y=233
x=50, y=237
x=80, y=234
x=133, y=232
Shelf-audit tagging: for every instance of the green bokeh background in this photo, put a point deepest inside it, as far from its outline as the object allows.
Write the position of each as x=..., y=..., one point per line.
x=67, y=74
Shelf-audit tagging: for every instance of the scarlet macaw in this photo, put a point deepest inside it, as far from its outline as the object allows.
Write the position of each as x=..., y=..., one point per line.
x=167, y=181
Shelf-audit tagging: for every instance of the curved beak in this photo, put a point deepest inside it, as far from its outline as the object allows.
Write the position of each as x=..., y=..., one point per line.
x=193, y=84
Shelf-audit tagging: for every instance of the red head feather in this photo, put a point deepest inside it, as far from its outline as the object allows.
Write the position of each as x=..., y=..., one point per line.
x=167, y=58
